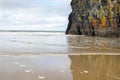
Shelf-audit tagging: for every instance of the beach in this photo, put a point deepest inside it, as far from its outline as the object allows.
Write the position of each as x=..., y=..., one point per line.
x=55, y=56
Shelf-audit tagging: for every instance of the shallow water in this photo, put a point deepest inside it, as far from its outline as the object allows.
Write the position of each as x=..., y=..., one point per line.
x=21, y=43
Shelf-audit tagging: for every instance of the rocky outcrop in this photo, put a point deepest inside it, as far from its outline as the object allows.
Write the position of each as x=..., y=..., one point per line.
x=94, y=18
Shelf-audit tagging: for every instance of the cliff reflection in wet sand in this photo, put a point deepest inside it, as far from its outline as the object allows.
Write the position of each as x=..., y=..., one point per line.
x=95, y=67
x=82, y=44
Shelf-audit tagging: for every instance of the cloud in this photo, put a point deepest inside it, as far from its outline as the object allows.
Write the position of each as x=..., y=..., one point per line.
x=30, y=16
x=15, y=3
x=34, y=14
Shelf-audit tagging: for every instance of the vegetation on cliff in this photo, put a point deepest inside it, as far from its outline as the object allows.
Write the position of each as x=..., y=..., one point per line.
x=95, y=18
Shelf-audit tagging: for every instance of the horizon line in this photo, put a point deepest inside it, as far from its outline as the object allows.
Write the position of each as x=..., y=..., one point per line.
x=29, y=31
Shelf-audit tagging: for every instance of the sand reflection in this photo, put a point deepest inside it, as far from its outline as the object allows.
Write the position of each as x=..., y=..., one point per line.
x=95, y=67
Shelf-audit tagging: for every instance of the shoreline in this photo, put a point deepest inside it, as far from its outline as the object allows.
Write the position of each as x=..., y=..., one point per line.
x=70, y=54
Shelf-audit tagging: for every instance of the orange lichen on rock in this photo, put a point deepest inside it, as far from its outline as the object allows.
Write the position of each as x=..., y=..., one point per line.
x=103, y=23
x=96, y=14
x=94, y=23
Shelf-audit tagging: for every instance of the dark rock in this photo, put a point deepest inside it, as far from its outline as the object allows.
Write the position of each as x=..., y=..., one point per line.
x=94, y=18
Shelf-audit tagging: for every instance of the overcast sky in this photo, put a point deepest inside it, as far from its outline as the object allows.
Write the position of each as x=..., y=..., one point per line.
x=34, y=14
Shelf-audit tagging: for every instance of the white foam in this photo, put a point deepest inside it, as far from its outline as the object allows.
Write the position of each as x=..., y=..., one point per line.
x=23, y=65
x=41, y=77
x=85, y=71
x=29, y=70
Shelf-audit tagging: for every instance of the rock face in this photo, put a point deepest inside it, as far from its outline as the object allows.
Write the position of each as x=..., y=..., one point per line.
x=94, y=18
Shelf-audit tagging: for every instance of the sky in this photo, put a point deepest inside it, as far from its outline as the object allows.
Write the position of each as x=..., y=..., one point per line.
x=49, y=15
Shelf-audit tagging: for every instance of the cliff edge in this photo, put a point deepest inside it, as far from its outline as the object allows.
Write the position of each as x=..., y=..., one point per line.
x=94, y=18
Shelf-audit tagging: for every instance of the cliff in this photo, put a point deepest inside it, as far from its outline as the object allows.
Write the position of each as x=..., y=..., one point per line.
x=94, y=18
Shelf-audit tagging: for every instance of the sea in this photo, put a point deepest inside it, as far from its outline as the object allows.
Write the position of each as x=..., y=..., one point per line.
x=56, y=56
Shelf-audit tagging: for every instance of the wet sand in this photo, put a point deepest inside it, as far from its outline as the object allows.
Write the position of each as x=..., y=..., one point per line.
x=60, y=67
x=36, y=56
x=35, y=68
